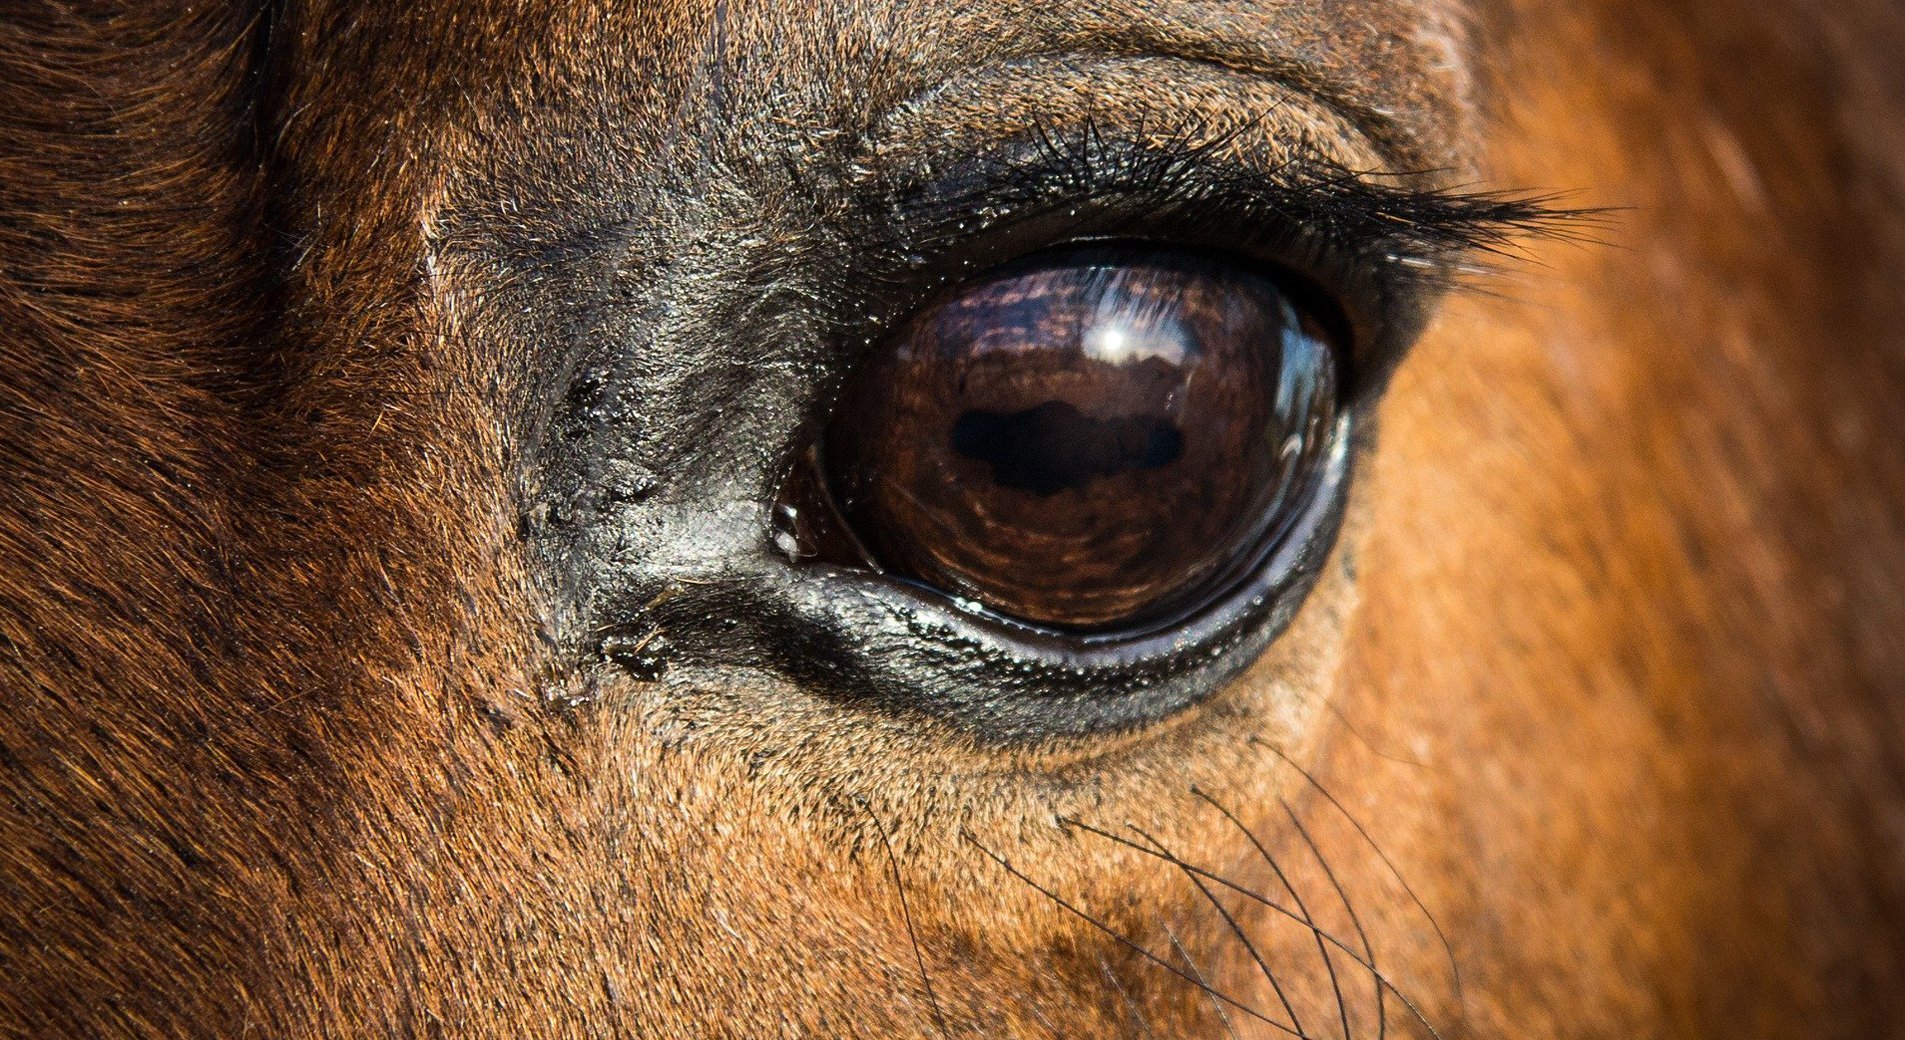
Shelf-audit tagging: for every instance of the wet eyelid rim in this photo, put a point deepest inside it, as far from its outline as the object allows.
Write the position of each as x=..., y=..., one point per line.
x=1005, y=682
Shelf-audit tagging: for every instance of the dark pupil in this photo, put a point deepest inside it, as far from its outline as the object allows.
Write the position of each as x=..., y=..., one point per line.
x=1054, y=446
x=1088, y=440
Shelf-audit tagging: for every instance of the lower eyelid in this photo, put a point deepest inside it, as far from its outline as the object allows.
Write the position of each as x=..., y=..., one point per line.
x=877, y=641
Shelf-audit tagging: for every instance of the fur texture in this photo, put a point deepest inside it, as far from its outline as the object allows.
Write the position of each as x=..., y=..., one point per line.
x=1591, y=726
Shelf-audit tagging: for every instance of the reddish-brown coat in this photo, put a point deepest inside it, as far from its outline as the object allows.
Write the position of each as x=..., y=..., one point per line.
x=1614, y=686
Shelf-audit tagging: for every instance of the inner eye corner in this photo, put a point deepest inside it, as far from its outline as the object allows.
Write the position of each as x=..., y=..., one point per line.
x=1095, y=439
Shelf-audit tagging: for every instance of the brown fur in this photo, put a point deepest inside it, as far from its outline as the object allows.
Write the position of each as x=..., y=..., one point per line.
x=1607, y=667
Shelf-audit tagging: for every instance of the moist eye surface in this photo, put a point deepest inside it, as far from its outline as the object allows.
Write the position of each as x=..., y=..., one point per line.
x=1089, y=439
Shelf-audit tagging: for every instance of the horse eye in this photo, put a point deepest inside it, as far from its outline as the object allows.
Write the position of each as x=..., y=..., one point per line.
x=1094, y=440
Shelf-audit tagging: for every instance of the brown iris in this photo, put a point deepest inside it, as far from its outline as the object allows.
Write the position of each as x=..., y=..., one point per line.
x=1089, y=439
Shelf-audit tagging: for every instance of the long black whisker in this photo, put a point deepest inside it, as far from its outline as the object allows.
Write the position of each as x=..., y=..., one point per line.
x=1123, y=940
x=1343, y=948
x=1448, y=948
x=1235, y=929
x=1309, y=920
x=1355, y=919
x=906, y=915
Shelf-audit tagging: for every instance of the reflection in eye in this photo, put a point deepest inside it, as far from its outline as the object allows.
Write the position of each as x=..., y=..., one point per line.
x=1091, y=439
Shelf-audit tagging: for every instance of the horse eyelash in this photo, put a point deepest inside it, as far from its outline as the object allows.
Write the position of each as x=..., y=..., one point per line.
x=1306, y=203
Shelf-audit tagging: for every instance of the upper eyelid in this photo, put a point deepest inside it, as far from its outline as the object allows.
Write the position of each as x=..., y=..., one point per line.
x=1281, y=114
x=1387, y=137
x=1301, y=184
x=1200, y=124
x=1029, y=86
x=1286, y=203
x=886, y=175
x=994, y=137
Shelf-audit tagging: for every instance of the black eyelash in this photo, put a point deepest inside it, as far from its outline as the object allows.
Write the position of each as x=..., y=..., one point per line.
x=1308, y=205
x=1364, y=250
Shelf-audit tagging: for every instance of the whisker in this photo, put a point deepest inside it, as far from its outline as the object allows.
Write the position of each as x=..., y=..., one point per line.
x=1123, y=940
x=1343, y=719
x=1343, y=948
x=1355, y=919
x=1448, y=948
x=1322, y=949
x=906, y=915
x=1236, y=929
